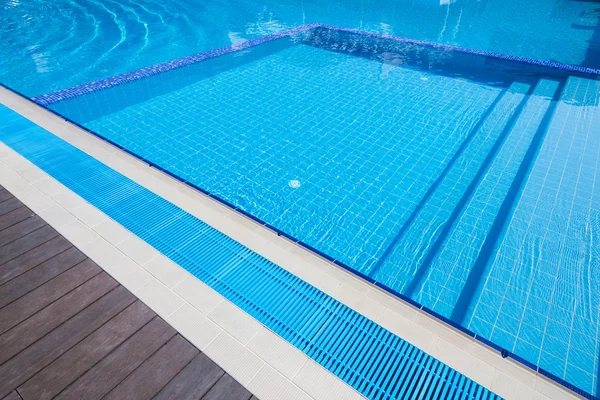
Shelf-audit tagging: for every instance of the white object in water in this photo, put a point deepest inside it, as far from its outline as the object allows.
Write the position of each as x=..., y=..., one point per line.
x=294, y=184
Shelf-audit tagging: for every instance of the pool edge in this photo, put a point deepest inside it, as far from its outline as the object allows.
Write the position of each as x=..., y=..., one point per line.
x=142, y=73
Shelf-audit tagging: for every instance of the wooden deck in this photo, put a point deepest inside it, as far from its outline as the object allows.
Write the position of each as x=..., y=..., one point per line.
x=70, y=331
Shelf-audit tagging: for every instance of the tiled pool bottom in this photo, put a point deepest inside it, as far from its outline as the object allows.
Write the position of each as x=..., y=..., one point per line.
x=355, y=134
x=436, y=181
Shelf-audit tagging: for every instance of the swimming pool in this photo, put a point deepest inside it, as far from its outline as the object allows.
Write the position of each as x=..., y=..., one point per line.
x=425, y=169
x=53, y=44
x=461, y=181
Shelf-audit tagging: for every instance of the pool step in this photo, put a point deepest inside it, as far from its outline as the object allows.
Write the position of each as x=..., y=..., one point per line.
x=449, y=270
x=419, y=239
x=544, y=266
x=499, y=192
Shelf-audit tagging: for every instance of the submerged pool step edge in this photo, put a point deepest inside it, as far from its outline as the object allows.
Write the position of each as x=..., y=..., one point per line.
x=434, y=187
x=503, y=217
x=417, y=373
x=501, y=351
x=468, y=193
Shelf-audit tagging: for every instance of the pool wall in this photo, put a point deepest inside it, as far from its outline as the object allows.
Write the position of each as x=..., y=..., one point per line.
x=76, y=91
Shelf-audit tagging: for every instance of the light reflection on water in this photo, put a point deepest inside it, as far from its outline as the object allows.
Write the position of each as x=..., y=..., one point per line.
x=48, y=45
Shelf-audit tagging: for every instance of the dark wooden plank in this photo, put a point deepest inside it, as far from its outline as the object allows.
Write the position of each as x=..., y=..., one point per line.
x=37, y=299
x=40, y=324
x=227, y=388
x=150, y=377
x=9, y=205
x=5, y=195
x=20, y=229
x=26, y=243
x=69, y=331
x=67, y=368
x=108, y=373
x=194, y=381
x=13, y=396
x=33, y=258
x=9, y=219
x=39, y=275
x=35, y=357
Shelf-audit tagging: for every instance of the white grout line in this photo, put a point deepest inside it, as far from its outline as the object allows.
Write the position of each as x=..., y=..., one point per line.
x=457, y=350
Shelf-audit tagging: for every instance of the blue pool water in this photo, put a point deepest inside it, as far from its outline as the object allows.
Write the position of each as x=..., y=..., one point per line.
x=47, y=45
x=462, y=182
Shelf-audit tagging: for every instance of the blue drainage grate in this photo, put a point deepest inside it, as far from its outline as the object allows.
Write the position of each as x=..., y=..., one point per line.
x=375, y=362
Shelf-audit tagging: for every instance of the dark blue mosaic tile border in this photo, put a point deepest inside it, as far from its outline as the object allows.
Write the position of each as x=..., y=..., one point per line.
x=500, y=56
x=95, y=86
x=64, y=94
x=501, y=351
x=76, y=91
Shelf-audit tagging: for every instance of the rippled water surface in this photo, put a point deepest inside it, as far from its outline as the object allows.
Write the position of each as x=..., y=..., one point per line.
x=51, y=44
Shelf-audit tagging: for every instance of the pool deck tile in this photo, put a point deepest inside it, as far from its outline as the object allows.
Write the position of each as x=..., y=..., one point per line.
x=198, y=294
x=273, y=349
x=235, y=322
x=270, y=383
